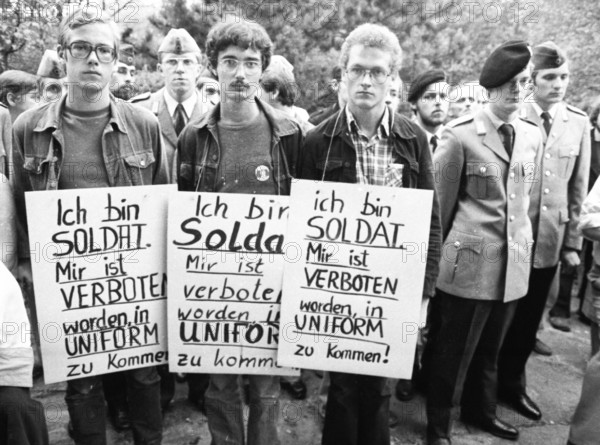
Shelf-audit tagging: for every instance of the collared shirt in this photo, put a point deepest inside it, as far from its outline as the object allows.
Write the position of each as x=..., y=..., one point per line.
x=374, y=155
x=188, y=105
x=437, y=135
x=497, y=122
x=551, y=111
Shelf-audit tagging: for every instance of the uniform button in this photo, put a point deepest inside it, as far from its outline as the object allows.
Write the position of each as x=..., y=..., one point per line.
x=553, y=133
x=510, y=238
x=512, y=174
x=346, y=164
x=483, y=169
x=548, y=172
x=544, y=208
x=513, y=196
x=456, y=243
x=54, y=159
x=571, y=153
x=548, y=156
x=142, y=162
x=236, y=181
x=214, y=157
x=546, y=191
x=512, y=217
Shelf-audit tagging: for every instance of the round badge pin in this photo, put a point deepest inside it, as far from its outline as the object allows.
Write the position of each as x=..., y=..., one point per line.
x=262, y=173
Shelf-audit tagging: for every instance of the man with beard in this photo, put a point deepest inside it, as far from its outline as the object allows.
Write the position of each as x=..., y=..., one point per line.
x=555, y=208
x=242, y=146
x=428, y=96
x=179, y=58
x=122, y=84
x=60, y=146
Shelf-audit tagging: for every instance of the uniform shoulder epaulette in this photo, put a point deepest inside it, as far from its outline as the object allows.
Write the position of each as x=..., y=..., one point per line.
x=460, y=120
x=530, y=122
x=141, y=97
x=576, y=110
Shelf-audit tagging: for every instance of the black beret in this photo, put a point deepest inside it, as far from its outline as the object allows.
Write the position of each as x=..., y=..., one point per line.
x=505, y=62
x=547, y=55
x=422, y=81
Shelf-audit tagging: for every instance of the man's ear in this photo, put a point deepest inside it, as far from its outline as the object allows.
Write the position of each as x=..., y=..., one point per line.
x=159, y=68
x=10, y=98
x=61, y=52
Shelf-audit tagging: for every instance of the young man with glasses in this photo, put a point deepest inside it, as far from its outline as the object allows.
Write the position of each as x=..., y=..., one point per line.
x=489, y=166
x=179, y=101
x=90, y=140
x=363, y=143
x=242, y=146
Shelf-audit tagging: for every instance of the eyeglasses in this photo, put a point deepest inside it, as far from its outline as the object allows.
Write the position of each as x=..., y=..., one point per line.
x=124, y=70
x=231, y=65
x=377, y=74
x=82, y=50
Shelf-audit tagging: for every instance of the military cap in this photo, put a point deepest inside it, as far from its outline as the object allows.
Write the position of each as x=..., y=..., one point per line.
x=547, y=55
x=127, y=54
x=51, y=65
x=178, y=41
x=422, y=81
x=505, y=62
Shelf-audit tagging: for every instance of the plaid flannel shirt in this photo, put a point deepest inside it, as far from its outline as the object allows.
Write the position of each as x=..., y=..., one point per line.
x=373, y=156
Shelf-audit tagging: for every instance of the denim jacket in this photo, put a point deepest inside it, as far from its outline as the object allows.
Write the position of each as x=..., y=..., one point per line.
x=329, y=147
x=199, y=163
x=132, y=149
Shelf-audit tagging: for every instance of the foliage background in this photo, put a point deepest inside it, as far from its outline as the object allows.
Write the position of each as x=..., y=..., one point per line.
x=453, y=35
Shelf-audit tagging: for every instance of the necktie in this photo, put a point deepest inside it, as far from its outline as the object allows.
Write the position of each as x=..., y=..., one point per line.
x=547, y=124
x=433, y=143
x=508, y=137
x=179, y=118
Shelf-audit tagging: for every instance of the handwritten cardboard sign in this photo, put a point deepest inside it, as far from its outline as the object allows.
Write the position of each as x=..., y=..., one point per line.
x=352, y=301
x=100, y=279
x=225, y=262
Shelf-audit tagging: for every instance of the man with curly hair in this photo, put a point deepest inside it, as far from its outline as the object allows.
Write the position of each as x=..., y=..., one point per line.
x=242, y=146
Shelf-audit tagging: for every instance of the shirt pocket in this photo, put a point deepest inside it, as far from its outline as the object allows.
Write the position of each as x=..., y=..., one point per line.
x=138, y=168
x=566, y=160
x=484, y=180
x=463, y=252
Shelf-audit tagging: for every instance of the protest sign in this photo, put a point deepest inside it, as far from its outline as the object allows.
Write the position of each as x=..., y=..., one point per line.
x=225, y=263
x=352, y=302
x=99, y=269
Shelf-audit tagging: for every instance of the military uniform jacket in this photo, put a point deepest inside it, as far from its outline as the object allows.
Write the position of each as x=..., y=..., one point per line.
x=484, y=198
x=565, y=169
x=155, y=102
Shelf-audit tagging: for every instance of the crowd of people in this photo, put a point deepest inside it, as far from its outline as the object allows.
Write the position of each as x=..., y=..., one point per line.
x=510, y=164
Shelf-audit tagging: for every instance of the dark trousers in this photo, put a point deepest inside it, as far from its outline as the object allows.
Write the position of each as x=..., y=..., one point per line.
x=358, y=409
x=85, y=401
x=115, y=390
x=22, y=419
x=520, y=339
x=433, y=326
x=568, y=275
x=465, y=355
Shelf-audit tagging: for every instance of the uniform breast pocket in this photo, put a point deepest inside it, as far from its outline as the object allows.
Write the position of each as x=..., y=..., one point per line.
x=484, y=180
x=567, y=155
x=463, y=253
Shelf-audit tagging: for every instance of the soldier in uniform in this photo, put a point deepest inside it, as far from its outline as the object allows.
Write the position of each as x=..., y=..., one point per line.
x=555, y=206
x=122, y=84
x=179, y=101
x=488, y=169
x=428, y=96
x=175, y=105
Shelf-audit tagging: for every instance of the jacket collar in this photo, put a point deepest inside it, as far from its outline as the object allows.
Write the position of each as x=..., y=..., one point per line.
x=51, y=117
x=281, y=125
x=336, y=123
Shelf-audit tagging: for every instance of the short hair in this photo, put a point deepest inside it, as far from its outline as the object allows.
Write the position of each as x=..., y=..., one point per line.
x=84, y=16
x=373, y=36
x=285, y=85
x=244, y=34
x=17, y=82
